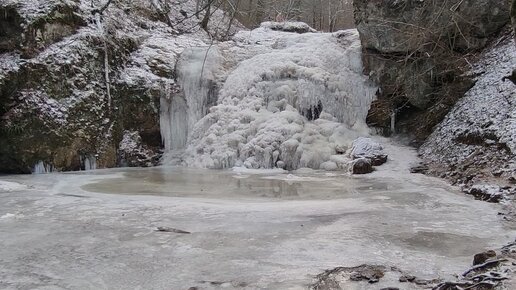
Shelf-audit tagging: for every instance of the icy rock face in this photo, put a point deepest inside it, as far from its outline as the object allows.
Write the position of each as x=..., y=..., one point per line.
x=57, y=103
x=407, y=25
x=477, y=139
x=133, y=153
x=489, y=193
x=417, y=51
x=288, y=100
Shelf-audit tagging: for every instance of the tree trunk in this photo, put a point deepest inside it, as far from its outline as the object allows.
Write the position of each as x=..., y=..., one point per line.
x=206, y=18
x=513, y=17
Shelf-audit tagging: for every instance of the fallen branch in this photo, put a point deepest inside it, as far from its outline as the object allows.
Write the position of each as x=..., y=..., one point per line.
x=171, y=230
x=486, y=265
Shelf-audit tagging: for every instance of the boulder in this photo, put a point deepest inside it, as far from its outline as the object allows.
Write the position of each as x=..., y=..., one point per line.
x=361, y=166
x=369, y=149
x=481, y=258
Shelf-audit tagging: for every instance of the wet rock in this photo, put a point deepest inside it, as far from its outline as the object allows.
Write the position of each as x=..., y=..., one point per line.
x=421, y=282
x=400, y=26
x=481, y=258
x=361, y=166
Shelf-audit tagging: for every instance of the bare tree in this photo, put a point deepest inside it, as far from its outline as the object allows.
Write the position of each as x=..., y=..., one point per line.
x=512, y=77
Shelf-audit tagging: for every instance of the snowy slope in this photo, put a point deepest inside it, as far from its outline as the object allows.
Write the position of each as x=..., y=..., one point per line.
x=477, y=140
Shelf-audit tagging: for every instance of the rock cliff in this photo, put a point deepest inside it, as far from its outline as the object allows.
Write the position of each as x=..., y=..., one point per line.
x=418, y=51
x=75, y=78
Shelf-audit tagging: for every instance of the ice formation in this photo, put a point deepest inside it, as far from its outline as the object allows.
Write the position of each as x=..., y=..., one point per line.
x=196, y=71
x=41, y=168
x=286, y=100
x=90, y=162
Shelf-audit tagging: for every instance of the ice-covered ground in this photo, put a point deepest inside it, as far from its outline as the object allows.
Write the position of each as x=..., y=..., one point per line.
x=7, y=186
x=248, y=229
x=270, y=98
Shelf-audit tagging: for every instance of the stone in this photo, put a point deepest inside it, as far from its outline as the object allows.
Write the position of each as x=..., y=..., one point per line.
x=361, y=166
x=369, y=149
x=481, y=258
x=407, y=278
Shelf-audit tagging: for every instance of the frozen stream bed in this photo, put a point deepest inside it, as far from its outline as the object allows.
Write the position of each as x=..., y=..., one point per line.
x=248, y=229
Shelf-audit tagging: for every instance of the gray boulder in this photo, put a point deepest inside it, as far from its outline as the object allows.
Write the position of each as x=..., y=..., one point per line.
x=367, y=148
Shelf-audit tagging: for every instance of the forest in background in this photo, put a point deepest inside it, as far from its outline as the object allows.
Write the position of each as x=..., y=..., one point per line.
x=323, y=15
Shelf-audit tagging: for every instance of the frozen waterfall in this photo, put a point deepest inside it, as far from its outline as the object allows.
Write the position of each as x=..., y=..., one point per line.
x=42, y=168
x=286, y=100
x=196, y=70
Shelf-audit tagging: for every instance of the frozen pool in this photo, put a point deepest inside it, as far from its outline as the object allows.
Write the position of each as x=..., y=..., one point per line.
x=253, y=230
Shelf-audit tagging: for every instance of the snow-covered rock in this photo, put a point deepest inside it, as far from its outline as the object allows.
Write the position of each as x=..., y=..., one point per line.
x=369, y=149
x=477, y=139
x=289, y=26
x=133, y=153
x=489, y=193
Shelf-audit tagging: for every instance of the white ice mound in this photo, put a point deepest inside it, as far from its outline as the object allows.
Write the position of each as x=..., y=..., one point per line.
x=289, y=100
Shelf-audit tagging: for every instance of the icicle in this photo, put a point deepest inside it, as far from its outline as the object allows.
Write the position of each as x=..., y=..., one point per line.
x=41, y=168
x=196, y=71
x=393, y=122
x=89, y=162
